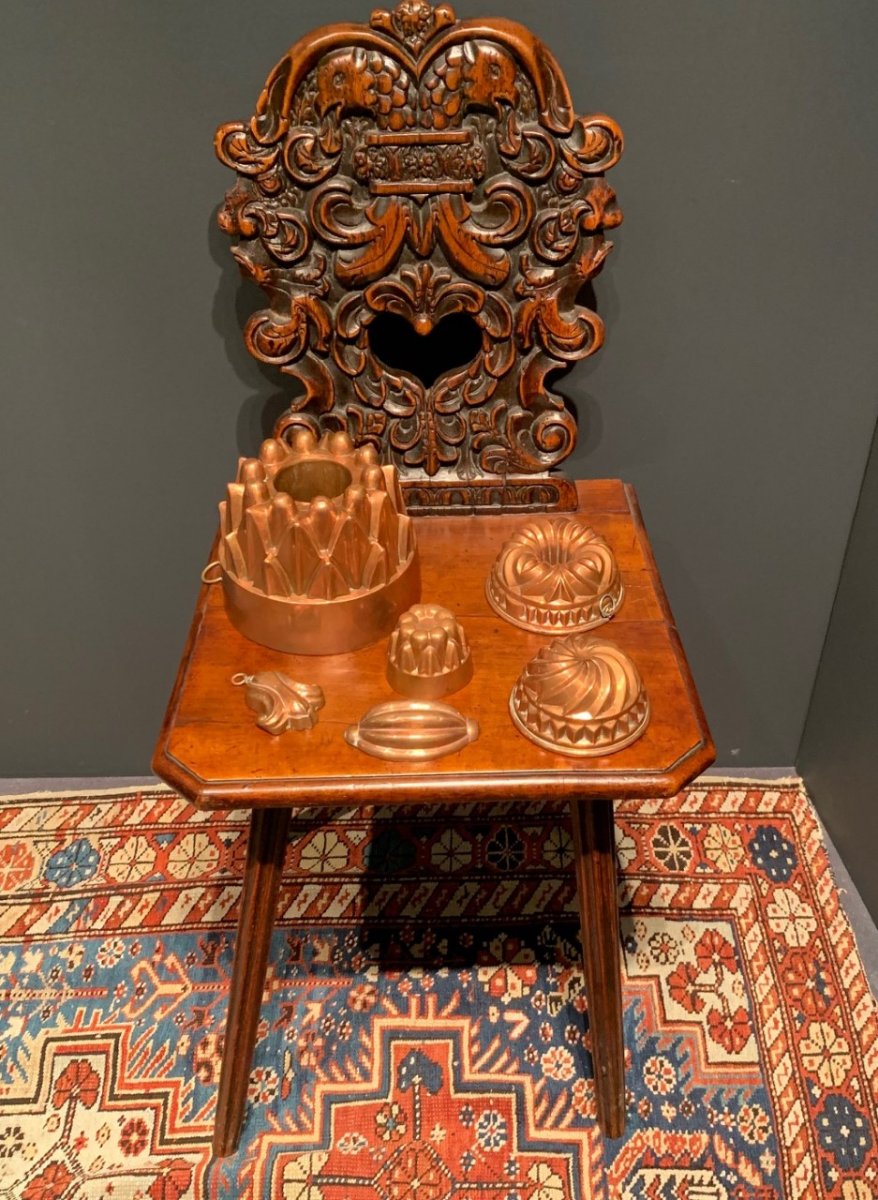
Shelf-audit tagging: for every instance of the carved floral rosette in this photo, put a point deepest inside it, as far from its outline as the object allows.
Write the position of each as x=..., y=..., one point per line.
x=581, y=696
x=423, y=166
x=554, y=576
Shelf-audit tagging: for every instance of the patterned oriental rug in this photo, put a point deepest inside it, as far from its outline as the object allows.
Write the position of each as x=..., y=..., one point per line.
x=426, y=1035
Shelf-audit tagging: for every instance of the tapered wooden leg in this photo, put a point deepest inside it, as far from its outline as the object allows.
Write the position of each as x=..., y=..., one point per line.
x=599, y=913
x=265, y=857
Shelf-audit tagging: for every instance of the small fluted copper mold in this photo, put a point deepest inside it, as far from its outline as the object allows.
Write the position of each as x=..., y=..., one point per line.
x=281, y=703
x=317, y=553
x=582, y=696
x=428, y=656
x=412, y=731
x=554, y=576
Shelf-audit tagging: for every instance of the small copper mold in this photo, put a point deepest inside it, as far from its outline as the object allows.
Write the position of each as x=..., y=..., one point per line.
x=317, y=554
x=412, y=731
x=581, y=696
x=281, y=702
x=554, y=576
x=428, y=656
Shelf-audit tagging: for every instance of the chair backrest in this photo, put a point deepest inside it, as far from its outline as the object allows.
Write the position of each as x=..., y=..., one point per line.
x=423, y=208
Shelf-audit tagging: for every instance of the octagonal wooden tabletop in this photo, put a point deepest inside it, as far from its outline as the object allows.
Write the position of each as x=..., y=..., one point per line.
x=211, y=750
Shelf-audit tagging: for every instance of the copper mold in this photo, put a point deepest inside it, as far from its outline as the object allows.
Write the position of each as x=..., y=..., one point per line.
x=582, y=696
x=281, y=703
x=317, y=554
x=554, y=576
x=412, y=731
x=428, y=656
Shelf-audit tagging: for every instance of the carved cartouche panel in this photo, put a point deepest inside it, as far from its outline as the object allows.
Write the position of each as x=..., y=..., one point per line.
x=415, y=170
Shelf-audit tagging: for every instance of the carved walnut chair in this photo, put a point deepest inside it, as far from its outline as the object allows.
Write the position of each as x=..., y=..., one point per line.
x=424, y=209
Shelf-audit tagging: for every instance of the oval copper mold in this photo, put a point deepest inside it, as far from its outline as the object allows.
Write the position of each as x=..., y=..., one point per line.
x=412, y=731
x=581, y=696
x=554, y=576
x=428, y=656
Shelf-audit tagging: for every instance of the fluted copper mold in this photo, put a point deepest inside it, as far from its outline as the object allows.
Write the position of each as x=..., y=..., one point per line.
x=582, y=696
x=316, y=551
x=428, y=656
x=281, y=703
x=554, y=576
x=412, y=731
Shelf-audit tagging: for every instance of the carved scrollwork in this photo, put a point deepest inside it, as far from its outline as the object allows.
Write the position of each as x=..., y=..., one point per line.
x=422, y=167
x=558, y=232
x=308, y=158
x=594, y=145
x=538, y=441
x=282, y=340
x=529, y=151
x=237, y=148
x=283, y=232
x=566, y=339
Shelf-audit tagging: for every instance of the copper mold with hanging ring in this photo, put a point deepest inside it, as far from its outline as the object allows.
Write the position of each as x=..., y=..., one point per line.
x=554, y=576
x=412, y=731
x=428, y=656
x=582, y=696
x=281, y=703
x=317, y=554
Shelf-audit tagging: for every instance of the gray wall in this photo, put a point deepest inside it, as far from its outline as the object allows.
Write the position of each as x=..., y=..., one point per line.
x=736, y=389
x=837, y=756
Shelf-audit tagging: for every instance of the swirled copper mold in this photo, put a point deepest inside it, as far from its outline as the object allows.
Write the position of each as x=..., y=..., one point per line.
x=428, y=656
x=554, y=576
x=581, y=695
x=317, y=553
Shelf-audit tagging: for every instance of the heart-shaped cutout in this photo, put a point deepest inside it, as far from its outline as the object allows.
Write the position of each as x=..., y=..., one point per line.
x=454, y=342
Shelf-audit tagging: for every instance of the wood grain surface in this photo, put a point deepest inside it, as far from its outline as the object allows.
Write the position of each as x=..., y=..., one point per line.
x=595, y=863
x=211, y=750
x=266, y=847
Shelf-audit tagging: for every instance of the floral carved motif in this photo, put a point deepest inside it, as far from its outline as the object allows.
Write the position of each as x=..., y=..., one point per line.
x=423, y=166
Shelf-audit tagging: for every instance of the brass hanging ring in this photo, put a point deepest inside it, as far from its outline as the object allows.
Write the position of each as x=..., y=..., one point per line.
x=206, y=576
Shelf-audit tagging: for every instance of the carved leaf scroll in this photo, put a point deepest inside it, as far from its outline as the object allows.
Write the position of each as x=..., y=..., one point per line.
x=424, y=166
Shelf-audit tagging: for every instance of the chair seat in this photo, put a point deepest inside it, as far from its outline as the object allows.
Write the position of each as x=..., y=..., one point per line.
x=212, y=751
